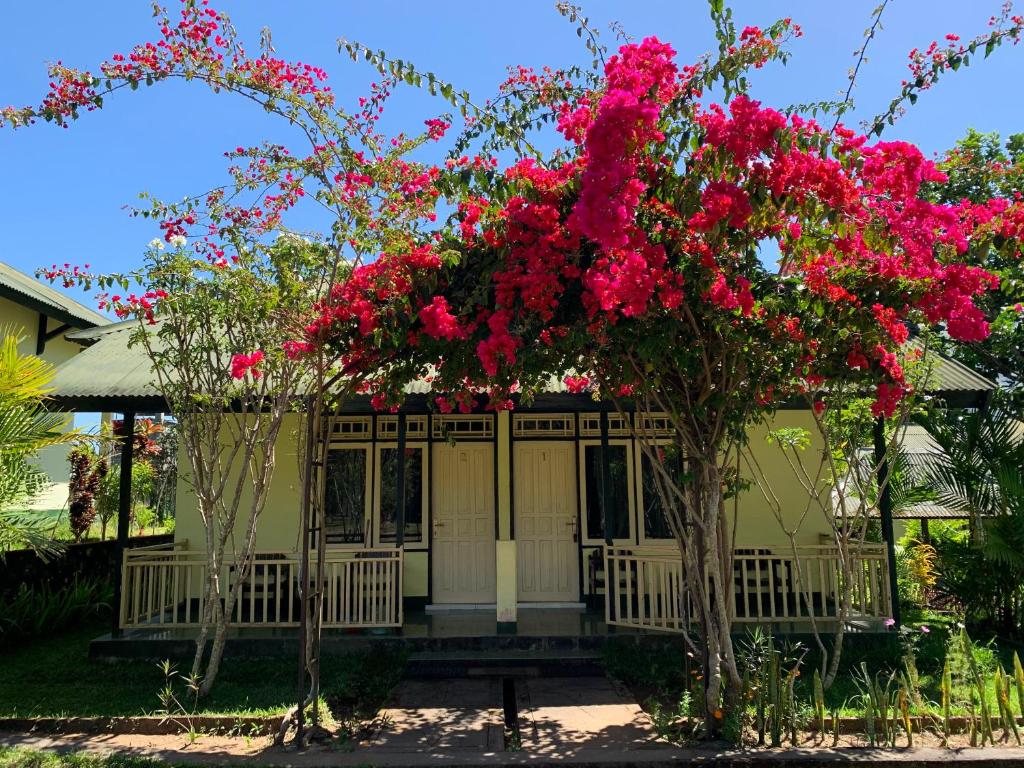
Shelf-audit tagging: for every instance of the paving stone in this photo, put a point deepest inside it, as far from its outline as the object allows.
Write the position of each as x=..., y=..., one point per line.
x=449, y=715
x=567, y=716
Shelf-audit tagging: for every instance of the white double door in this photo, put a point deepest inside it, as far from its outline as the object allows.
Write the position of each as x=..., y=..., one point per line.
x=544, y=500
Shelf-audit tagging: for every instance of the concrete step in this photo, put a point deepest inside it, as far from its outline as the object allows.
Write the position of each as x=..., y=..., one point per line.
x=504, y=663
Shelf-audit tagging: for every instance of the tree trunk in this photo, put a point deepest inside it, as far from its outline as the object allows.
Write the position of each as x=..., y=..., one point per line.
x=709, y=572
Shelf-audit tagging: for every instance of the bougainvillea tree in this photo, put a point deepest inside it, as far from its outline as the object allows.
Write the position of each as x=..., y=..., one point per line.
x=685, y=250
x=244, y=320
x=709, y=261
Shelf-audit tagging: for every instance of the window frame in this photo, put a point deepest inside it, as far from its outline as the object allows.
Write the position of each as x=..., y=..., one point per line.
x=586, y=540
x=365, y=447
x=642, y=538
x=378, y=477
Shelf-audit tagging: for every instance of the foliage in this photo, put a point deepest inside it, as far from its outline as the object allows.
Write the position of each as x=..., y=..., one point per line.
x=88, y=470
x=977, y=471
x=32, y=612
x=26, y=428
x=916, y=572
x=108, y=498
x=639, y=256
x=36, y=675
x=981, y=167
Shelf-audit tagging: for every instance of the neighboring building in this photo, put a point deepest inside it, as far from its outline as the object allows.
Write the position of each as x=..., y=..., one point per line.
x=503, y=515
x=42, y=316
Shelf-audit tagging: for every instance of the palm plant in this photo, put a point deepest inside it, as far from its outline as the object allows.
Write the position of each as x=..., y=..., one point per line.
x=26, y=428
x=978, y=470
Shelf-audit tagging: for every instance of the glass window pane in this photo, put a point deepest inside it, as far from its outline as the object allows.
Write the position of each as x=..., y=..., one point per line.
x=618, y=492
x=413, y=494
x=345, y=496
x=655, y=524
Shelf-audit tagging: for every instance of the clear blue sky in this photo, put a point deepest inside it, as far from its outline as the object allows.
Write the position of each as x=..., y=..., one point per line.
x=64, y=190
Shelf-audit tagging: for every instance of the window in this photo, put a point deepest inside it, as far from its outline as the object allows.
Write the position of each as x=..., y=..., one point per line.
x=655, y=524
x=413, y=494
x=618, y=492
x=345, y=502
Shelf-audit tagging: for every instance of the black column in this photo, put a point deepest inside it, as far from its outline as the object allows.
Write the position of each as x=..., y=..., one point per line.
x=400, y=482
x=41, y=335
x=885, y=510
x=124, y=512
x=606, y=479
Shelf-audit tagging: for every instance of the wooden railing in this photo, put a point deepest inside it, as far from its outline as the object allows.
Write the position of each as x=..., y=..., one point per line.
x=164, y=586
x=645, y=588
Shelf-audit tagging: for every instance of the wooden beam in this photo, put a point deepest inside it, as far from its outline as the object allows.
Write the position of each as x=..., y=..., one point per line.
x=41, y=334
x=57, y=331
x=124, y=511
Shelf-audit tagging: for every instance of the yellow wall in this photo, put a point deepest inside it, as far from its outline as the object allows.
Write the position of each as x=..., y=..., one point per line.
x=279, y=525
x=54, y=460
x=278, y=528
x=757, y=524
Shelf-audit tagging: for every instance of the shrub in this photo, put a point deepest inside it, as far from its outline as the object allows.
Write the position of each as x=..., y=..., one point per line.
x=34, y=611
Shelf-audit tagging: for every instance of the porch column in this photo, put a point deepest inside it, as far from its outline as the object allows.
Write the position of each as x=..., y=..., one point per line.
x=885, y=512
x=505, y=544
x=124, y=512
x=400, y=490
x=606, y=479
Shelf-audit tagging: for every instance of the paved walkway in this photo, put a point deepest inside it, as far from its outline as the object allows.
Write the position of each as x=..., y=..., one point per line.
x=575, y=716
x=460, y=722
x=457, y=715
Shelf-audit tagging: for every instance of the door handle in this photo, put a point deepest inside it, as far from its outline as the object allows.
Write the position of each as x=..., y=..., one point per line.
x=572, y=524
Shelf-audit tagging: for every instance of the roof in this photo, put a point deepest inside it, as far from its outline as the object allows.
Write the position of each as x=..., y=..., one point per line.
x=29, y=292
x=108, y=370
x=950, y=376
x=107, y=375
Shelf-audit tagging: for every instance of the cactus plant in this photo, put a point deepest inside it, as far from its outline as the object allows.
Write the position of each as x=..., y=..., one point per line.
x=1018, y=677
x=819, y=704
x=947, y=696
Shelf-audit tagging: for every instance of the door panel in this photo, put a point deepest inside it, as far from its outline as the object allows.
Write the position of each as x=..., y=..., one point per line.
x=463, y=544
x=545, y=510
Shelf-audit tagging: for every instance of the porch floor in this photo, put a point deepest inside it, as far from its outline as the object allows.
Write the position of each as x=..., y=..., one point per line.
x=537, y=629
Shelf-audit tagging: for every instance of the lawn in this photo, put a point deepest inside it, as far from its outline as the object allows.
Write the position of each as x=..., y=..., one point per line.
x=53, y=677
x=56, y=523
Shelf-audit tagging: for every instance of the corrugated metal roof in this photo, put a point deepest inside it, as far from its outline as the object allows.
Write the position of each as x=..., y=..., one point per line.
x=109, y=368
x=26, y=290
x=948, y=375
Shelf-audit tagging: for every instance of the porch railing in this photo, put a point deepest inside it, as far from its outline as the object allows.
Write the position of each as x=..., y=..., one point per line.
x=164, y=586
x=645, y=588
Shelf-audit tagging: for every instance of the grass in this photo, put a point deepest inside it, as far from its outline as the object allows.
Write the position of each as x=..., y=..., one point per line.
x=53, y=677
x=56, y=521
x=30, y=758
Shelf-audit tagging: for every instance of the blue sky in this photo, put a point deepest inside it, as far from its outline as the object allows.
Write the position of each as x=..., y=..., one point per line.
x=64, y=190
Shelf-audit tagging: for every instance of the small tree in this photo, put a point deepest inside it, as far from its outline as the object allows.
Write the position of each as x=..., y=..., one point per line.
x=87, y=472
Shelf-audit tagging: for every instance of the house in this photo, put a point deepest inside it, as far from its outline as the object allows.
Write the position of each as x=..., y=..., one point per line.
x=503, y=519
x=42, y=316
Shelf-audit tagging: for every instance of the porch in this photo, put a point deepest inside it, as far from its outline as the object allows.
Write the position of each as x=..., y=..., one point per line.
x=636, y=592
